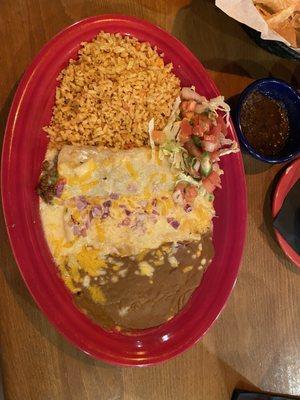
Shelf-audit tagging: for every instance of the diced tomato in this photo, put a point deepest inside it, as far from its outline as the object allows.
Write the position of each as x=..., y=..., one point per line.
x=211, y=138
x=205, y=125
x=186, y=131
x=211, y=142
x=207, y=122
x=200, y=128
x=210, y=187
x=215, y=179
x=190, y=193
x=158, y=136
x=197, y=130
x=192, y=148
x=212, y=181
x=221, y=122
x=215, y=156
x=216, y=130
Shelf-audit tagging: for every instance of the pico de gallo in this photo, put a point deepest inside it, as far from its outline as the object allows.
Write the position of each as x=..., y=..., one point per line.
x=194, y=140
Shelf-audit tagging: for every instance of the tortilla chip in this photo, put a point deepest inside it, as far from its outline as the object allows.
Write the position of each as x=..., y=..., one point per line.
x=273, y=6
x=289, y=33
x=281, y=16
x=296, y=25
x=296, y=20
x=283, y=21
x=264, y=11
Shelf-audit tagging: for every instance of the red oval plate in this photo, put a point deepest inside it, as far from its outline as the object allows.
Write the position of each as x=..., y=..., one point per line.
x=290, y=176
x=24, y=148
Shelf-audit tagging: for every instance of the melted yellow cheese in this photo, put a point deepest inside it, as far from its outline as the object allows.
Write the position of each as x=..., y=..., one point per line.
x=100, y=233
x=92, y=172
x=131, y=170
x=138, y=219
x=90, y=262
x=97, y=294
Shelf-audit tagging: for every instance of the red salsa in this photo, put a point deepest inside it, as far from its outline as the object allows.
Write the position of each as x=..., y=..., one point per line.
x=265, y=123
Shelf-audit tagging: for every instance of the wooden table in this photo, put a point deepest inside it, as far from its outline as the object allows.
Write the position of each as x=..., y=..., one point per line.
x=255, y=343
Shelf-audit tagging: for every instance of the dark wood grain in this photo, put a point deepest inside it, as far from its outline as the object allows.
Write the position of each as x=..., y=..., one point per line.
x=255, y=343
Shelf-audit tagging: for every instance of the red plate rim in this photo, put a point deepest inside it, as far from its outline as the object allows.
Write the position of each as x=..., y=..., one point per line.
x=285, y=183
x=5, y=178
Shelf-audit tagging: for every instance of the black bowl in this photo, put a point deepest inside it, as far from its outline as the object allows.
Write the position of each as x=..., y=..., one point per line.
x=272, y=46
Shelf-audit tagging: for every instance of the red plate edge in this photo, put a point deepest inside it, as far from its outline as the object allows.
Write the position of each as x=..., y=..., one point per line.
x=6, y=156
x=284, y=185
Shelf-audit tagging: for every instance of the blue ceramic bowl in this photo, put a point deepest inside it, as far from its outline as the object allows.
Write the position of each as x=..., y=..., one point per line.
x=286, y=94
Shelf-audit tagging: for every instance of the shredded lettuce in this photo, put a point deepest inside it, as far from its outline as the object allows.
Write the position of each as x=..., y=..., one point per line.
x=173, y=125
x=233, y=149
x=175, y=109
x=174, y=151
x=177, y=160
x=171, y=131
x=214, y=105
x=219, y=104
x=182, y=177
x=171, y=147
